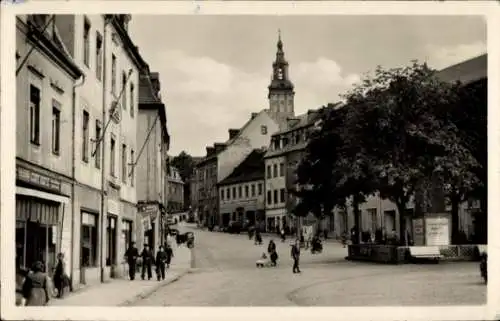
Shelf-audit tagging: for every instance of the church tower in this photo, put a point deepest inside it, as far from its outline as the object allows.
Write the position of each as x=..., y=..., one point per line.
x=281, y=89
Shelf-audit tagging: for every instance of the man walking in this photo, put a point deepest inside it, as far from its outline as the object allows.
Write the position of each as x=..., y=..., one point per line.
x=131, y=255
x=161, y=257
x=296, y=256
x=147, y=261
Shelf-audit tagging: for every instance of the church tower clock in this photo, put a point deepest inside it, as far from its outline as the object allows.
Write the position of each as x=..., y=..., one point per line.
x=281, y=90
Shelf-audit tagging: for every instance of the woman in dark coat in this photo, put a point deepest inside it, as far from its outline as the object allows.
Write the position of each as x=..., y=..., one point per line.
x=36, y=286
x=169, y=255
x=61, y=279
x=271, y=249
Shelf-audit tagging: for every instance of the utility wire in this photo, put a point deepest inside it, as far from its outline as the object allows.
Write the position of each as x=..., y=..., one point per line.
x=113, y=108
x=25, y=59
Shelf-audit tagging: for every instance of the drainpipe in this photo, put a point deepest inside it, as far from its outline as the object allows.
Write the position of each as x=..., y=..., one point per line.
x=73, y=174
x=103, y=152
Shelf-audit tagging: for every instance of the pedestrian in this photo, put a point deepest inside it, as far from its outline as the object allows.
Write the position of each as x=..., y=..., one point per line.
x=169, y=255
x=161, y=258
x=273, y=255
x=61, y=279
x=147, y=261
x=131, y=256
x=258, y=237
x=36, y=286
x=282, y=232
x=296, y=256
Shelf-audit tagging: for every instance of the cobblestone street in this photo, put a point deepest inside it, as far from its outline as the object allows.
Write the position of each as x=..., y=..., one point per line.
x=224, y=274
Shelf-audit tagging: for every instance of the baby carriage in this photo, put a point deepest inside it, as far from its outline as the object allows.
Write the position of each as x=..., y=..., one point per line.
x=264, y=261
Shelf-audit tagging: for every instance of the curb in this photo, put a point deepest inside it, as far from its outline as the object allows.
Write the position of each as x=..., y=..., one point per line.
x=154, y=289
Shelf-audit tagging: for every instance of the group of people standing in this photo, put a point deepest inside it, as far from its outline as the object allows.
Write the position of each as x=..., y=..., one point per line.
x=161, y=261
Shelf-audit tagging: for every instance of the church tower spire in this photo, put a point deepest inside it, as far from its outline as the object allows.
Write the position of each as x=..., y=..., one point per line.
x=281, y=89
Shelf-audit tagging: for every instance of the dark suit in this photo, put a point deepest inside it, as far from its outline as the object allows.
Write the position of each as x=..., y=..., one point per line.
x=147, y=262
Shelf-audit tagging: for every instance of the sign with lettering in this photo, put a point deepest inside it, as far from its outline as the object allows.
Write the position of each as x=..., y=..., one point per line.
x=149, y=210
x=31, y=177
x=437, y=231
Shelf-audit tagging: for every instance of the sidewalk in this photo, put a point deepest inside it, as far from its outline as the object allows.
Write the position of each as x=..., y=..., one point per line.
x=123, y=292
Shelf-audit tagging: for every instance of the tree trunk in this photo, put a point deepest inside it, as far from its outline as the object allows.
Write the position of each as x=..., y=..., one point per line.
x=455, y=203
x=357, y=217
x=402, y=222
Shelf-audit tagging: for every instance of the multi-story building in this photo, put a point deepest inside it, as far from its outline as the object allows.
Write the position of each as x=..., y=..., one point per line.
x=175, y=191
x=152, y=165
x=241, y=194
x=205, y=187
x=105, y=130
x=46, y=80
x=285, y=152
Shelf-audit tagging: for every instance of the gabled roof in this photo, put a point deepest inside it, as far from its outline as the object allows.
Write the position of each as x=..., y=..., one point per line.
x=251, y=169
x=146, y=92
x=467, y=71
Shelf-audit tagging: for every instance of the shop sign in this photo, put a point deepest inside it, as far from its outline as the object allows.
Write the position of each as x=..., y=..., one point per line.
x=150, y=210
x=31, y=177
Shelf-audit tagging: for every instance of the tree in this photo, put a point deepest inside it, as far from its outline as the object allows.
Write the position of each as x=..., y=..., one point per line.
x=404, y=135
x=185, y=164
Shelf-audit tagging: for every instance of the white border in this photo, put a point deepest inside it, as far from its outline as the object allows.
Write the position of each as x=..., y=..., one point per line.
x=7, y=149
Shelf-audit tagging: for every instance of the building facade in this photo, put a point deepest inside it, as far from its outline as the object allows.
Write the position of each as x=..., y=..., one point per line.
x=45, y=80
x=152, y=164
x=205, y=187
x=105, y=130
x=175, y=191
x=241, y=194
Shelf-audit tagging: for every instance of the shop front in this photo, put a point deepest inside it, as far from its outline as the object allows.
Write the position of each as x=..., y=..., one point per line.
x=43, y=219
x=149, y=215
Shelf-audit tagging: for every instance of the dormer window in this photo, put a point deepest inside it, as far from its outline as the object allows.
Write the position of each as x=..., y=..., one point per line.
x=276, y=143
x=297, y=138
x=263, y=130
x=285, y=141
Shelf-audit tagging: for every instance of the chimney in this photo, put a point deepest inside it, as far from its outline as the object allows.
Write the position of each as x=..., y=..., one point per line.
x=219, y=147
x=233, y=132
x=210, y=151
x=253, y=115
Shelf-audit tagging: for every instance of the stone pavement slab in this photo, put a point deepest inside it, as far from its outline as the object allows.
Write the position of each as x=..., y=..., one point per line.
x=122, y=292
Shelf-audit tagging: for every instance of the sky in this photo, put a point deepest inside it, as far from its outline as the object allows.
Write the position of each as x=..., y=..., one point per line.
x=214, y=70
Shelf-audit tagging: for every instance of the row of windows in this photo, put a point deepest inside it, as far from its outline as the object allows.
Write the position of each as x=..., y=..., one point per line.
x=250, y=191
x=272, y=196
x=35, y=111
x=274, y=172
x=99, y=70
x=292, y=138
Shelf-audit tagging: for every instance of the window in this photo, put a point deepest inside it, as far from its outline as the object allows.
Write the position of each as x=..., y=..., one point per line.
x=246, y=191
x=253, y=190
x=127, y=232
x=263, y=130
x=34, y=115
x=124, y=90
x=85, y=136
x=86, y=42
x=275, y=170
x=276, y=143
x=56, y=127
x=282, y=195
x=275, y=198
x=98, y=144
x=88, y=253
x=240, y=192
x=113, y=73
x=132, y=97
x=124, y=163
x=98, y=55
x=372, y=214
x=112, y=157
x=222, y=194
x=285, y=141
x=260, y=188
x=132, y=160
x=268, y=171
x=282, y=169
x=234, y=192
x=111, y=241
x=269, y=197
x=228, y=193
